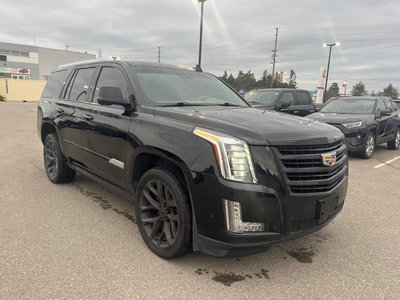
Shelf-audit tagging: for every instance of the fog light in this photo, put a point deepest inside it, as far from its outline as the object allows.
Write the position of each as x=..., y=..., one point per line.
x=234, y=223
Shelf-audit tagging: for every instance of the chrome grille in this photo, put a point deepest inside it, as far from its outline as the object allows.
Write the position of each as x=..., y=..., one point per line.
x=304, y=171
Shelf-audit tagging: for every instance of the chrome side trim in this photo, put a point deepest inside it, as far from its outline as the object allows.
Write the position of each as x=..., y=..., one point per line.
x=117, y=163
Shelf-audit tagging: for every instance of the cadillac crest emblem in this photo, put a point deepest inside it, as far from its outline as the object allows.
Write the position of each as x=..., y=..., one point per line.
x=329, y=159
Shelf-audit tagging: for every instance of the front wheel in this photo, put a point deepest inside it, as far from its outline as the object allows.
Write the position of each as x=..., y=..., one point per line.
x=395, y=143
x=163, y=213
x=55, y=163
x=369, y=146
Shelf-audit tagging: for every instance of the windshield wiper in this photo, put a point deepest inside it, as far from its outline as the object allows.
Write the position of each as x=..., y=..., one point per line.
x=253, y=102
x=182, y=103
x=228, y=104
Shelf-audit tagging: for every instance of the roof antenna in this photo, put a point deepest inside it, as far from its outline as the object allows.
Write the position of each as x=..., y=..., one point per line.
x=197, y=68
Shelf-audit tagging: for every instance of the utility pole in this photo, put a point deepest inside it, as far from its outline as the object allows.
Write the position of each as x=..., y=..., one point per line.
x=159, y=54
x=34, y=41
x=99, y=53
x=274, y=55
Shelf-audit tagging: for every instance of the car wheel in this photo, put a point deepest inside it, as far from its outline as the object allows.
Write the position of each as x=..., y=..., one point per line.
x=55, y=163
x=163, y=213
x=395, y=143
x=369, y=146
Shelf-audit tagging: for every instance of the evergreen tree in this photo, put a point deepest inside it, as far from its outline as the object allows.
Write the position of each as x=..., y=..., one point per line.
x=224, y=77
x=390, y=91
x=359, y=89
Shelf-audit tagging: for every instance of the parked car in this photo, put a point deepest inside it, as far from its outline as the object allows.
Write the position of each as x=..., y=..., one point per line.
x=207, y=172
x=397, y=102
x=365, y=122
x=292, y=101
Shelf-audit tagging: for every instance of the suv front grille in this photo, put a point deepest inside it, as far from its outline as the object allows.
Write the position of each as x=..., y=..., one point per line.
x=304, y=170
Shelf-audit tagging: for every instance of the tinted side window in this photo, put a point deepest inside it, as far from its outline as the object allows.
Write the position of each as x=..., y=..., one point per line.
x=390, y=105
x=381, y=106
x=110, y=76
x=287, y=97
x=302, y=98
x=79, y=87
x=55, y=80
x=395, y=106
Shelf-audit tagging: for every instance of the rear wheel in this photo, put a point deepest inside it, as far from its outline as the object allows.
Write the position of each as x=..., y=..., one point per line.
x=395, y=143
x=163, y=213
x=55, y=163
x=369, y=146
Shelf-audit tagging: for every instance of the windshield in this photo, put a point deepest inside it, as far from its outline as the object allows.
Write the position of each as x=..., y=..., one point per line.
x=349, y=106
x=172, y=87
x=261, y=97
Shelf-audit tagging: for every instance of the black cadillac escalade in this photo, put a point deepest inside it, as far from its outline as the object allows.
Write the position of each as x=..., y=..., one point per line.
x=207, y=172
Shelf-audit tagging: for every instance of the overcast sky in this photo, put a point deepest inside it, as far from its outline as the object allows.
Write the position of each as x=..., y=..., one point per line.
x=238, y=34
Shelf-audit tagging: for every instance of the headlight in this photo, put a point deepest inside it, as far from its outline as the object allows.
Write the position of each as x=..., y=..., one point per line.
x=232, y=154
x=353, y=124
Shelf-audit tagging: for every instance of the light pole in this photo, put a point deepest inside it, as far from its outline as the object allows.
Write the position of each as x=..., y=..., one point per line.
x=201, y=30
x=329, y=62
x=345, y=87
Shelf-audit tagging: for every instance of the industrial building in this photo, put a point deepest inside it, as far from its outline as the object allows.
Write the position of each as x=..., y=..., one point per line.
x=30, y=62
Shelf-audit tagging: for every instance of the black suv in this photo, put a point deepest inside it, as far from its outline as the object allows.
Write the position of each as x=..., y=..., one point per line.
x=208, y=172
x=292, y=101
x=365, y=122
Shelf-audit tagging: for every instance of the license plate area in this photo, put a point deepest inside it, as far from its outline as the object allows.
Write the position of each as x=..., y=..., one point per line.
x=326, y=207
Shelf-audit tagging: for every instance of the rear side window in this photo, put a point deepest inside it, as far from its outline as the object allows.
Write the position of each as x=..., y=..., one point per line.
x=302, y=98
x=54, y=82
x=110, y=76
x=79, y=86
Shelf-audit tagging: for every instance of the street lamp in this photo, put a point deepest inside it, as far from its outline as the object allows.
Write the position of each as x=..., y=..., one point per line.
x=329, y=62
x=198, y=67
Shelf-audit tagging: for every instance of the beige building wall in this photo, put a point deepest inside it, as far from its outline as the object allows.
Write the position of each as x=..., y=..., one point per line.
x=50, y=59
x=21, y=90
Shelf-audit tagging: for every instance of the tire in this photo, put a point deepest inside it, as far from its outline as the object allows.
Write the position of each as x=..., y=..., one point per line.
x=55, y=163
x=395, y=143
x=369, y=146
x=163, y=213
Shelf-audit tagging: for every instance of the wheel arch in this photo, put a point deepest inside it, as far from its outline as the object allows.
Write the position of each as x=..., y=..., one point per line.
x=147, y=157
x=47, y=128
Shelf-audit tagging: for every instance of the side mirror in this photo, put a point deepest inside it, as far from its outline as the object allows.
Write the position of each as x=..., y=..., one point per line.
x=109, y=95
x=283, y=105
x=383, y=113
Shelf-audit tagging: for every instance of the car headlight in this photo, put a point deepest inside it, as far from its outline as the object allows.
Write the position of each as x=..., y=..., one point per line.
x=232, y=154
x=353, y=124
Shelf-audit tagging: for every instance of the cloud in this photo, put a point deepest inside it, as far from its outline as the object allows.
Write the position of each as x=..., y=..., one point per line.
x=238, y=35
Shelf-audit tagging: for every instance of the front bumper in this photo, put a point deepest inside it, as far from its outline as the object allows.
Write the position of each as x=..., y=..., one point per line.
x=355, y=138
x=228, y=250
x=285, y=215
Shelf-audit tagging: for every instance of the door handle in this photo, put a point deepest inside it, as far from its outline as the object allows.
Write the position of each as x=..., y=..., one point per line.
x=59, y=109
x=87, y=117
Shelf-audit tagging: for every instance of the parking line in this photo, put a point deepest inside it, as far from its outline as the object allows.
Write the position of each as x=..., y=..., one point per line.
x=387, y=162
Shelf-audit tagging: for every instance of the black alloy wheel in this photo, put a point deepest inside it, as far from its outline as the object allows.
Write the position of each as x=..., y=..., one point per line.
x=369, y=146
x=55, y=163
x=395, y=143
x=163, y=213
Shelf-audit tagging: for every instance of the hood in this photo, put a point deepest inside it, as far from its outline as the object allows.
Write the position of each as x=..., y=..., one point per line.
x=334, y=118
x=255, y=126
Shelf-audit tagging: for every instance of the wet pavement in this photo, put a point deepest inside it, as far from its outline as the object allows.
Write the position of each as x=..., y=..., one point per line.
x=80, y=240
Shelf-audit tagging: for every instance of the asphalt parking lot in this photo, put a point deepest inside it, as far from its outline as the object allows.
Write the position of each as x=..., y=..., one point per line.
x=80, y=240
